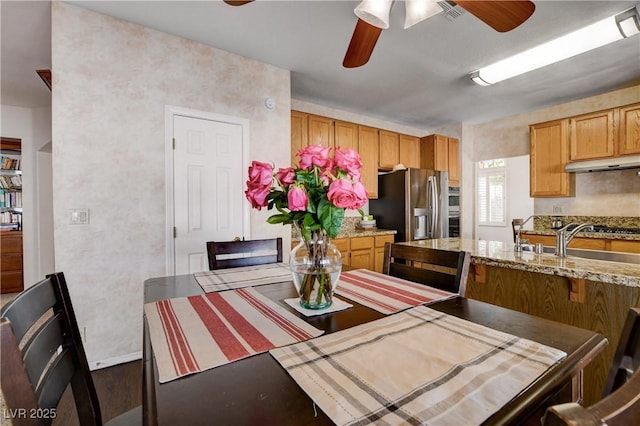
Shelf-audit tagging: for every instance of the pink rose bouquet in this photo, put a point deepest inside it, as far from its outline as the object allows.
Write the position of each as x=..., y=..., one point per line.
x=313, y=195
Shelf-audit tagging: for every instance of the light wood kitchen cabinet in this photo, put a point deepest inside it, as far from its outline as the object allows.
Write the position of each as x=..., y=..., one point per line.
x=345, y=135
x=389, y=149
x=299, y=133
x=442, y=153
x=320, y=130
x=629, y=130
x=592, y=135
x=549, y=153
x=380, y=240
x=368, y=147
x=454, y=162
x=627, y=246
x=357, y=252
x=362, y=253
x=410, y=151
x=343, y=245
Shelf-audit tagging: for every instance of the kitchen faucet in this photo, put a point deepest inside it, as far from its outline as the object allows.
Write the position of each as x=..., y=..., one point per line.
x=516, y=233
x=563, y=239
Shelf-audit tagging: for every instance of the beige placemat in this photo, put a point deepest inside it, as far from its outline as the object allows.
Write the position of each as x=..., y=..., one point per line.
x=244, y=276
x=419, y=366
x=192, y=334
x=385, y=293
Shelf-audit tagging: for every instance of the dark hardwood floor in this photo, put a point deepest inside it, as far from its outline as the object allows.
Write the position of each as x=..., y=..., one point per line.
x=119, y=389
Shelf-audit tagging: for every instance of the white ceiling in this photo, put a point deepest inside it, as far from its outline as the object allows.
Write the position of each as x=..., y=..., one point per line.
x=417, y=77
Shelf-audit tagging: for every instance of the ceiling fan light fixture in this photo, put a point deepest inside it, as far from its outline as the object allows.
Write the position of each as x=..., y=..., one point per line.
x=587, y=38
x=418, y=10
x=374, y=12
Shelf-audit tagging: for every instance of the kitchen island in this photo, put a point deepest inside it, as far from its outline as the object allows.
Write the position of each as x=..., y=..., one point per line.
x=586, y=293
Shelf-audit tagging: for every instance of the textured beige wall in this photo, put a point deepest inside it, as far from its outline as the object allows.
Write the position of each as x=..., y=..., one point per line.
x=112, y=80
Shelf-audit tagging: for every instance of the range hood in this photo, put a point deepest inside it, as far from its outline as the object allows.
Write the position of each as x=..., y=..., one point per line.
x=618, y=163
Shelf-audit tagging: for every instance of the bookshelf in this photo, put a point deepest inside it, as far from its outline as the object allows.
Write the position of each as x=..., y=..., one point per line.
x=11, y=267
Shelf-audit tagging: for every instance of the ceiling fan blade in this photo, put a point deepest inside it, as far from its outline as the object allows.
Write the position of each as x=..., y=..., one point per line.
x=237, y=3
x=364, y=39
x=502, y=16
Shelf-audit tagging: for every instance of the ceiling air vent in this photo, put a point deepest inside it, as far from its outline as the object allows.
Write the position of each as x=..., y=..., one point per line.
x=451, y=10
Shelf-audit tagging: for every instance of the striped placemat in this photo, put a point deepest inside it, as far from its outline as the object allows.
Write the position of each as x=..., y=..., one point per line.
x=196, y=333
x=419, y=366
x=244, y=276
x=385, y=293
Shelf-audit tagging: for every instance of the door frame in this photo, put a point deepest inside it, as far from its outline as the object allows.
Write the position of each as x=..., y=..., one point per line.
x=170, y=112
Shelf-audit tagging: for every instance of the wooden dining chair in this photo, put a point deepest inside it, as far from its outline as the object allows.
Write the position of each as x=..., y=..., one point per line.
x=231, y=254
x=42, y=354
x=620, y=405
x=443, y=269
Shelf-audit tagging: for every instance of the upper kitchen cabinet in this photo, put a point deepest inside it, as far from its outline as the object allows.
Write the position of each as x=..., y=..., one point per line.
x=345, y=135
x=440, y=152
x=320, y=130
x=299, y=133
x=368, y=147
x=629, y=130
x=454, y=162
x=549, y=144
x=410, y=151
x=592, y=135
x=389, y=144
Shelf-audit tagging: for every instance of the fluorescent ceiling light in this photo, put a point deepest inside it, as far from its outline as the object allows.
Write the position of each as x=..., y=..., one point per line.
x=625, y=24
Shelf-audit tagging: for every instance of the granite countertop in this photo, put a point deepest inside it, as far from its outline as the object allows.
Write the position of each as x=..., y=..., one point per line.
x=601, y=235
x=364, y=232
x=496, y=253
x=355, y=232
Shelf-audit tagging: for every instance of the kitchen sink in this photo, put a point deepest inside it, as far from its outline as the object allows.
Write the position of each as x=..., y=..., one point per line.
x=611, y=256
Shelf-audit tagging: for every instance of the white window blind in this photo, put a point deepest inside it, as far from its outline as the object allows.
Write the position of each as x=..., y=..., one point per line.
x=491, y=193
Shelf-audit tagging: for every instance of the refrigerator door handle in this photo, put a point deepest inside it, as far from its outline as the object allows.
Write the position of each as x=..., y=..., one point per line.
x=433, y=201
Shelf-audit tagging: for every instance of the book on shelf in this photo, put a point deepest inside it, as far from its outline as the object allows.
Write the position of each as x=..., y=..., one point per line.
x=9, y=163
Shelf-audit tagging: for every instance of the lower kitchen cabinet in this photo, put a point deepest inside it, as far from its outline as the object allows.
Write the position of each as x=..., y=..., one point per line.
x=363, y=252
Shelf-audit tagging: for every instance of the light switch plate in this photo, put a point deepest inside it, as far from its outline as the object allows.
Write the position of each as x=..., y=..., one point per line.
x=80, y=216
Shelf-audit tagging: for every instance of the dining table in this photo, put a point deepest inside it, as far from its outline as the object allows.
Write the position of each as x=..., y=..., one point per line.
x=258, y=390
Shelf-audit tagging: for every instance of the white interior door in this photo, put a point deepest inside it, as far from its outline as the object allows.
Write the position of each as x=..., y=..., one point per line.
x=208, y=188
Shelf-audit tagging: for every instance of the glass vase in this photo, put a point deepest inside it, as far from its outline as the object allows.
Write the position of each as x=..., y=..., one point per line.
x=316, y=265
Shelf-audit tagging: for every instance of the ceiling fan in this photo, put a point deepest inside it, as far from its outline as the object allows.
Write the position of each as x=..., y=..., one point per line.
x=373, y=17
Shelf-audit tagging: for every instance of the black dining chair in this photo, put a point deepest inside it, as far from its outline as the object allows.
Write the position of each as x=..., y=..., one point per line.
x=42, y=354
x=620, y=405
x=231, y=254
x=443, y=269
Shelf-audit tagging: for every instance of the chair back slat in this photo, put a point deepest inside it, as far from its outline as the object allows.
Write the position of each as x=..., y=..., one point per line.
x=52, y=358
x=443, y=269
x=18, y=392
x=231, y=254
x=55, y=380
x=25, y=310
x=42, y=347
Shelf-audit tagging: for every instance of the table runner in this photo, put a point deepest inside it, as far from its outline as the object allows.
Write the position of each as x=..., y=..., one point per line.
x=419, y=366
x=196, y=333
x=244, y=276
x=385, y=293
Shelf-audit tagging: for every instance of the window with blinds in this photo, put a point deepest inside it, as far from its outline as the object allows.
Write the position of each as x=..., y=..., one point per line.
x=491, y=192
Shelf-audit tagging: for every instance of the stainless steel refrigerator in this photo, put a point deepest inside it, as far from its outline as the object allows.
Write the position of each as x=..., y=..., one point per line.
x=415, y=202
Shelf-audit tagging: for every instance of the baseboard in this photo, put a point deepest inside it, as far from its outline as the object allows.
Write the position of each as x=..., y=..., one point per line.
x=109, y=362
